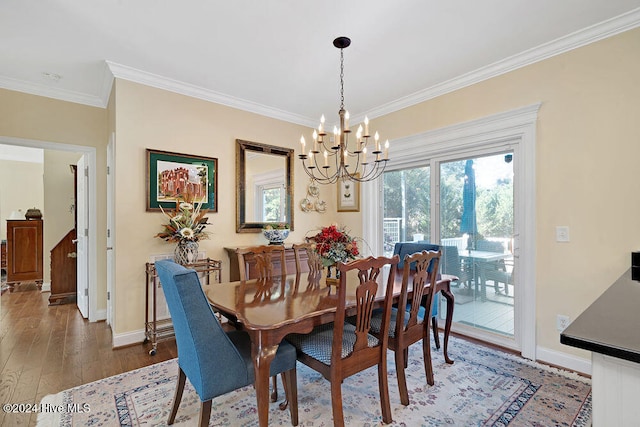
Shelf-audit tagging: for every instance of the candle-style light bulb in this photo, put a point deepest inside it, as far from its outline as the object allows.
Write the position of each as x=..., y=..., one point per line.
x=359, y=138
x=386, y=150
x=326, y=159
x=321, y=127
x=346, y=158
x=302, y=142
x=346, y=121
x=366, y=126
x=377, y=139
x=364, y=155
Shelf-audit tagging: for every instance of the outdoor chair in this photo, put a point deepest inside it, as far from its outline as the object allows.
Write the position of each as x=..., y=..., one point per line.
x=341, y=349
x=500, y=271
x=215, y=362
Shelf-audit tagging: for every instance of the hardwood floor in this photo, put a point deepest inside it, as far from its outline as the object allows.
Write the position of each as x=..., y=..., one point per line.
x=46, y=349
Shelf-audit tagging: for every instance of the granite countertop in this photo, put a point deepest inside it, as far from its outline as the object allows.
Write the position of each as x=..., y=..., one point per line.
x=611, y=325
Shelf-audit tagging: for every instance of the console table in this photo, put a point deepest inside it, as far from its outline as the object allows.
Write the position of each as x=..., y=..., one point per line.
x=234, y=272
x=609, y=329
x=157, y=322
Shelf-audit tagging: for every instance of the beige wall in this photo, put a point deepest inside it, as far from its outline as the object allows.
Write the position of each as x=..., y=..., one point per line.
x=588, y=146
x=21, y=188
x=43, y=119
x=146, y=117
x=58, y=201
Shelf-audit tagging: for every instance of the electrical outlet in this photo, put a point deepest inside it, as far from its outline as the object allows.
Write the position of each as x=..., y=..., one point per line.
x=562, y=322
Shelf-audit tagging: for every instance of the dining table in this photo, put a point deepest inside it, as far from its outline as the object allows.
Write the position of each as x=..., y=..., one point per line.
x=270, y=309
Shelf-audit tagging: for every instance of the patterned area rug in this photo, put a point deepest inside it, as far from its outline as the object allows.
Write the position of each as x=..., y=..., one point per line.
x=484, y=387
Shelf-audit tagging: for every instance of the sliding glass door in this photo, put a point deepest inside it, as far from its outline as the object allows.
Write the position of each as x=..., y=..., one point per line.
x=472, y=200
x=476, y=235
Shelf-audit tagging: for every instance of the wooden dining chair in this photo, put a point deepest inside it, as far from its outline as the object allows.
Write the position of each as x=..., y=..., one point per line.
x=411, y=325
x=215, y=362
x=261, y=262
x=340, y=349
x=313, y=265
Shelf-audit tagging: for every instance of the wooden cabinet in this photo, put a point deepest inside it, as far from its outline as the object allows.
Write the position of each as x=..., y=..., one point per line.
x=3, y=258
x=24, y=251
x=234, y=272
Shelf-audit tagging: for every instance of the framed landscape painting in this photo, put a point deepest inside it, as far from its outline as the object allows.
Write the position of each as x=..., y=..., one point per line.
x=348, y=196
x=171, y=176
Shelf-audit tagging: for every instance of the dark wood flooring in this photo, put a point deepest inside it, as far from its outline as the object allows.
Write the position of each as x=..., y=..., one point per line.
x=46, y=349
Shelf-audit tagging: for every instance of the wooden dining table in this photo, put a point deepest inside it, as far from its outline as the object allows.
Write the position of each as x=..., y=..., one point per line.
x=270, y=309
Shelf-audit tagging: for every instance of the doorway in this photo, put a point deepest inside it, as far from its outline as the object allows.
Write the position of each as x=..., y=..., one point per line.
x=89, y=155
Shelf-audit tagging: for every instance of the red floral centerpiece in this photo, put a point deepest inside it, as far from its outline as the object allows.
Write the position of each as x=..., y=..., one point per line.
x=334, y=244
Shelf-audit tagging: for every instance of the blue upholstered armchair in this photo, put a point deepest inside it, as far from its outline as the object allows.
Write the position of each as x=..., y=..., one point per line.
x=215, y=362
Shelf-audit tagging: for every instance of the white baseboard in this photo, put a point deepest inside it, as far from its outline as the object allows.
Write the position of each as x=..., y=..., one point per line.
x=564, y=360
x=128, y=338
x=46, y=287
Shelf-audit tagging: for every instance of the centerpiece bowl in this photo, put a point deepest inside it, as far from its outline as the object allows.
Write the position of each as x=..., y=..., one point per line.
x=276, y=236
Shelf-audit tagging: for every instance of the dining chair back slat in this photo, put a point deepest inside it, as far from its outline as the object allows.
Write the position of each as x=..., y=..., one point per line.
x=313, y=265
x=266, y=261
x=343, y=348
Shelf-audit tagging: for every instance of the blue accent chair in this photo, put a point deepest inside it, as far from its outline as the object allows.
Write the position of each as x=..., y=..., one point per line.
x=215, y=362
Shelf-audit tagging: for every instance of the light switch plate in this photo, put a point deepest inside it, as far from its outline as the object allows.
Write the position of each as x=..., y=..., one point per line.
x=562, y=233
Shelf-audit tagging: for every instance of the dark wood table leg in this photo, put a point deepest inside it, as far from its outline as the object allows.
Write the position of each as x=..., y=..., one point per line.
x=262, y=355
x=446, y=291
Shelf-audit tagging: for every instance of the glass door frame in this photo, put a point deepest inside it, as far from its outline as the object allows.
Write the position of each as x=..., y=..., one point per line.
x=513, y=130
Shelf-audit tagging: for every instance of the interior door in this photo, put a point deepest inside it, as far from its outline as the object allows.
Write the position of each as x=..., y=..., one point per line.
x=82, y=284
x=110, y=228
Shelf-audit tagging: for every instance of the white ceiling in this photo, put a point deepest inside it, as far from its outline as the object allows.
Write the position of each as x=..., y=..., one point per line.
x=276, y=57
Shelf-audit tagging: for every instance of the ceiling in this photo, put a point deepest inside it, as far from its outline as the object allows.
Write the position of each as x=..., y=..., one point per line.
x=277, y=58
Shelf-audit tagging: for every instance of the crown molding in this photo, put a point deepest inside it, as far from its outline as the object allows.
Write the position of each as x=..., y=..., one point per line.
x=583, y=37
x=51, y=92
x=599, y=31
x=128, y=73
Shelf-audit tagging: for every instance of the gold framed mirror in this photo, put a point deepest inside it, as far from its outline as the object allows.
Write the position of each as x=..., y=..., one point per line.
x=264, y=186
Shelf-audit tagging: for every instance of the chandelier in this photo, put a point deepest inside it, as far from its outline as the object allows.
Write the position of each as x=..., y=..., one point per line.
x=336, y=158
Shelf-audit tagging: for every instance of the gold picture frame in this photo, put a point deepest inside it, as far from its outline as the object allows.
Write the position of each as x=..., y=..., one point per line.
x=348, y=196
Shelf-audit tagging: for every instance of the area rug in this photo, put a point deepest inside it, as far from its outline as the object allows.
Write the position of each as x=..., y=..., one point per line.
x=484, y=387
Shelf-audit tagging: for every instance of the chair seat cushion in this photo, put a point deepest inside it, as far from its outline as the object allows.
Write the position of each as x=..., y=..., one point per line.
x=318, y=343
x=376, y=320
x=285, y=356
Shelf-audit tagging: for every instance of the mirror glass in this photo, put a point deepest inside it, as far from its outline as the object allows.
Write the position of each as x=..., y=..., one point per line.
x=264, y=185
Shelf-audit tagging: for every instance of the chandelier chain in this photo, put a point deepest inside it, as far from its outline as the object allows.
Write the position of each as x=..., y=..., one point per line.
x=342, y=79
